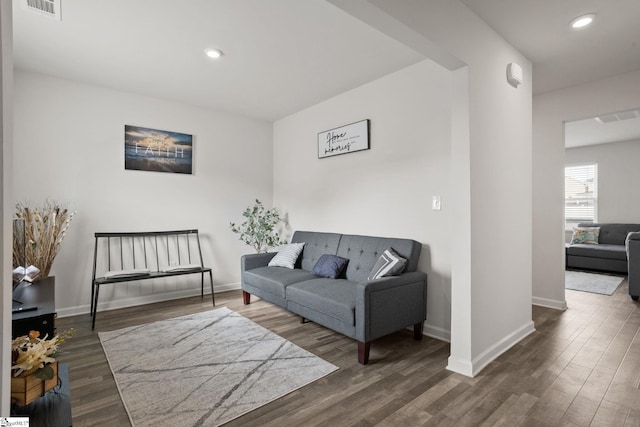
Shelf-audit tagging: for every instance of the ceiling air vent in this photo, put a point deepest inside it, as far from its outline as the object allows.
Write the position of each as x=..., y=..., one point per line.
x=48, y=8
x=616, y=117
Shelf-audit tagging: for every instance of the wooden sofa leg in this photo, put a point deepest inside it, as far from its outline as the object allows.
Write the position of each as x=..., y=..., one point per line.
x=417, y=330
x=363, y=352
x=246, y=297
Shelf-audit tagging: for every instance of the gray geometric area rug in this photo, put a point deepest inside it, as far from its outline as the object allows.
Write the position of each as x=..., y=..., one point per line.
x=589, y=282
x=204, y=369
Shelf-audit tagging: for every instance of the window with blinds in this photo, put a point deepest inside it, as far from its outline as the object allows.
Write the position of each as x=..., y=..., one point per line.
x=580, y=194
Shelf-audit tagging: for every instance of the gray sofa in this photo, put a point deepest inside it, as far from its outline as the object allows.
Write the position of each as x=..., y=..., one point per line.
x=352, y=305
x=608, y=255
x=633, y=256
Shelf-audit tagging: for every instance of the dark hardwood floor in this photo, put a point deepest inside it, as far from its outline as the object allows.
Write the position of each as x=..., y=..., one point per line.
x=581, y=367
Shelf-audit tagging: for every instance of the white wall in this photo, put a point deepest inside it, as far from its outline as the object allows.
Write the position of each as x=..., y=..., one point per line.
x=384, y=191
x=551, y=110
x=491, y=274
x=6, y=202
x=491, y=266
x=69, y=142
x=618, y=172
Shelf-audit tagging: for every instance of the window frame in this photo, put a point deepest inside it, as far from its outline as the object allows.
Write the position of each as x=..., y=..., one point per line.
x=594, y=198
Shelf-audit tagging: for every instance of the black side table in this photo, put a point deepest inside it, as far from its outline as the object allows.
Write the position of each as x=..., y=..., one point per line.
x=36, y=310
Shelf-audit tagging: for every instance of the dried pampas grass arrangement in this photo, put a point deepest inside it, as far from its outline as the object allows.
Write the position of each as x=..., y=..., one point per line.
x=44, y=230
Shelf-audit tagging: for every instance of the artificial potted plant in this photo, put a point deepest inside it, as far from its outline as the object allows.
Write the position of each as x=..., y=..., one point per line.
x=35, y=366
x=258, y=229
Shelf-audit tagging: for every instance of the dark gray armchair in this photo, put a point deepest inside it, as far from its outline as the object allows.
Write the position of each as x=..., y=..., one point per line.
x=633, y=258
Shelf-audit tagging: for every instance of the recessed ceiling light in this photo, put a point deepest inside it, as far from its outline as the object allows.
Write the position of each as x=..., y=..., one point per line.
x=213, y=53
x=582, y=20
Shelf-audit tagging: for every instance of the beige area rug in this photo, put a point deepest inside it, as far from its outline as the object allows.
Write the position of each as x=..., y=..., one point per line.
x=204, y=369
x=591, y=282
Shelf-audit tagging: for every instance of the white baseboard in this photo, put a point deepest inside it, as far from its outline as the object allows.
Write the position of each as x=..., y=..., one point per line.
x=473, y=367
x=549, y=303
x=460, y=366
x=147, y=299
x=437, y=332
x=227, y=287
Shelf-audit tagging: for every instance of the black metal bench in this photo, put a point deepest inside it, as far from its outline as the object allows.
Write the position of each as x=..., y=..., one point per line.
x=125, y=257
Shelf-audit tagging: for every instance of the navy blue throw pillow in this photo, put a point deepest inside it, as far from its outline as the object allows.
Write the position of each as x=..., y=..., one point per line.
x=330, y=266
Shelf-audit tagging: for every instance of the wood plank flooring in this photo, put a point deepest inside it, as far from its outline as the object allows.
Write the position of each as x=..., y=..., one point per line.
x=581, y=367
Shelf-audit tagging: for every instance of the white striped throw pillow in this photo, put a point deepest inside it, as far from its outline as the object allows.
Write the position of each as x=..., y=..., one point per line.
x=389, y=264
x=287, y=256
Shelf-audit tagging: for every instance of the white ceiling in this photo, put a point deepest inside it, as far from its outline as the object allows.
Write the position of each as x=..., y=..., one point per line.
x=281, y=56
x=562, y=56
x=623, y=126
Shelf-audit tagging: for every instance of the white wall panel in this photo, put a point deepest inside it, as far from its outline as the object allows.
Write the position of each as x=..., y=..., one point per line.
x=70, y=148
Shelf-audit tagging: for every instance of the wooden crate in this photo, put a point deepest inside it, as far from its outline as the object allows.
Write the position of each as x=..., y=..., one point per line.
x=25, y=390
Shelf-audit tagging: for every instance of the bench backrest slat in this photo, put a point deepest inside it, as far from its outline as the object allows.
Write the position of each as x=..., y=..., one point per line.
x=157, y=257
x=199, y=250
x=168, y=256
x=138, y=249
x=178, y=245
x=188, y=249
x=144, y=248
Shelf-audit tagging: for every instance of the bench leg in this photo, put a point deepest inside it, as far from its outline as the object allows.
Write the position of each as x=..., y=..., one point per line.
x=213, y=298
x=363, y=352
x=417, y=331
x=246, y=297
x=95, y=308
x=202, y=285
x=93, y=290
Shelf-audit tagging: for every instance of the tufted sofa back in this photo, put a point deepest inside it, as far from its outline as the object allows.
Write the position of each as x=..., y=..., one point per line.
x=362, y=251
x=315, y=245
x=613, y=234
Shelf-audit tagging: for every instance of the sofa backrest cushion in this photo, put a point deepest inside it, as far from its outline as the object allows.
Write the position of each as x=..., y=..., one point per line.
x=613, y=234
x=364, y=251
x=316, y=244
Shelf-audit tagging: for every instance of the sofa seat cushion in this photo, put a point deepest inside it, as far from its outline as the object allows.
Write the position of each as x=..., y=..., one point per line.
x=274, y=280
x=332, y=297
x=598, y=251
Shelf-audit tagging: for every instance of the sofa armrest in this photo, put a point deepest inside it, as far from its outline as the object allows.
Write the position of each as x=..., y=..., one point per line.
x=251, y=261
x=633, y=239
x=633, y=235
x=633, y=263
x=389, y=304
